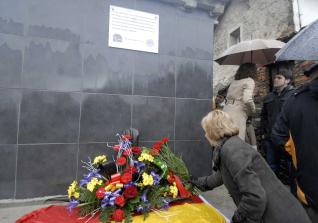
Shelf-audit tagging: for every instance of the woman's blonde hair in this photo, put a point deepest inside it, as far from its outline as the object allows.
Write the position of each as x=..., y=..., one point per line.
x=218, y=124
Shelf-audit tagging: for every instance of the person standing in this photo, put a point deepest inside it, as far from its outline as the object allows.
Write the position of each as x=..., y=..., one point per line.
x=239, y=99
x=272, y=106
x=299, y=118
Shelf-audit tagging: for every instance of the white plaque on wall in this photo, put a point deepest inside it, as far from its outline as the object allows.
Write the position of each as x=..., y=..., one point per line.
x=134, y=30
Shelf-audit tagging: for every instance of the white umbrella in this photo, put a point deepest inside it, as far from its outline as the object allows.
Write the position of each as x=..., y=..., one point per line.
x=303, y=46
x=258, y=51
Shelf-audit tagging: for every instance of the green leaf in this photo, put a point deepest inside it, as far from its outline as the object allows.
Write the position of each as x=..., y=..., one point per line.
x=175, y=163
x=128, y=216
x=106, y=213
x=89, y=202
x=135, y=200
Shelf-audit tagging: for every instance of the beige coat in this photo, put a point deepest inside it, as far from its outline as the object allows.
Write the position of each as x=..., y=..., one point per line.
x=240, y=103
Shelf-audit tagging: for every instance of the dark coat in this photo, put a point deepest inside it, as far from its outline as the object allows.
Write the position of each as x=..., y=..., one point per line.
x=256, y=191
x=299, y=116
x=272, y=106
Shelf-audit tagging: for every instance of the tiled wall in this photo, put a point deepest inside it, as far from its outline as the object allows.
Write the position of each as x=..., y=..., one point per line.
x=64, y=93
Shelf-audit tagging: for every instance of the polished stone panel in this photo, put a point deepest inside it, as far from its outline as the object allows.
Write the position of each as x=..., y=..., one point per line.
x=49, y=117
x=43, y=20
x=154, y=75
x=9, y=110
x=52, y=33
x=52, y=65
x=9, y=26
x=45, y=170
x=131, y=4
x=65, y=93
x=189, y=113
x=195, y=40
x=103, y=116
x=95, y=22
x=153, y=117
x=194, y=79
x=11, y=53
x=13, y=16
x=197, y=155
x=167, y=24
x=91, y=150
x=108, y=70
x=7, y=171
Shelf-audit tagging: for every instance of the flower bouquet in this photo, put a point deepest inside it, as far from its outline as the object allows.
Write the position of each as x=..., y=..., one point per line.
x=144, y=180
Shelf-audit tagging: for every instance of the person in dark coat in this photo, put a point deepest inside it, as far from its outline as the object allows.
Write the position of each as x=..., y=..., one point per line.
x=259, y=196
x=276, y=158
x=299, y=118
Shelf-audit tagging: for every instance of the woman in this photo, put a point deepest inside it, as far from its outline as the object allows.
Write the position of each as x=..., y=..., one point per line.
x=257, y=193
x=239, y=99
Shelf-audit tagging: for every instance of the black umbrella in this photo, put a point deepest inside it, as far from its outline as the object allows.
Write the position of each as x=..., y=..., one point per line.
x=303, y=46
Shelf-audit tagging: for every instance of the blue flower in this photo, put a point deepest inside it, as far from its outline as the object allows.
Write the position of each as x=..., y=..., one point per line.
x=73, y=203
x=144, y=196
x=165, y=204
x=156, y=178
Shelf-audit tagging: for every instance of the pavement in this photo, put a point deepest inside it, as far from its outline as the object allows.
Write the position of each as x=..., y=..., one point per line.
x=11, y=210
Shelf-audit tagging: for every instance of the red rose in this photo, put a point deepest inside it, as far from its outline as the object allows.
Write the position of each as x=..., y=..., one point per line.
x=100, y=193
x=157, y=146
x=165, y=139
x=118, y=215
x=131, y=169
x=126, y=177
x=120, y=201
x=127, y=152
x=121, y=161
x=154, y=152
x=136, y=150
x=116, y=148
x=130, y=192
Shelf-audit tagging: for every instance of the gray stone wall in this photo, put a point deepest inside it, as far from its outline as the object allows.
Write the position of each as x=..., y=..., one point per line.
x=264, y=19
x=64, y=93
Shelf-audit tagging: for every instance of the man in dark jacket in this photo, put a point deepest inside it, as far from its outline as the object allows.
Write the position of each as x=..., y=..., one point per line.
x=272, y=106
x=299, y=117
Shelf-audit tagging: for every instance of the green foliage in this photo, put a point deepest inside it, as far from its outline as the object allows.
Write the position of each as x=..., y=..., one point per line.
x=105, y=215
x=88, y=202
x=154, y=196
x=128, y=215
x=164, y=162
x=175, y=163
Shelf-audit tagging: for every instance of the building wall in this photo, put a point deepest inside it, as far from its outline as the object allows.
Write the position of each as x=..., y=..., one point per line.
x=64, y=93
x=305, y=12
x=264, y=19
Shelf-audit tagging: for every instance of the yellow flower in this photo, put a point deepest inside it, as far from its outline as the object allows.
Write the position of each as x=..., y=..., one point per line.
x=76, y=195
x=100, y=160
x=174, y=190
x=92, y=184
x=147, y=179
x=72, y=189
x=145, y=156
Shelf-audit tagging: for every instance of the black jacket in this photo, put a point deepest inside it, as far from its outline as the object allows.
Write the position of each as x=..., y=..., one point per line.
x=299, y=116
x=272, y=106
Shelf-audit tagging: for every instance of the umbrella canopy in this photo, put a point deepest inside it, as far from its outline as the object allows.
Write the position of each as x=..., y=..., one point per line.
x=258, y=51
x=303, y=46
